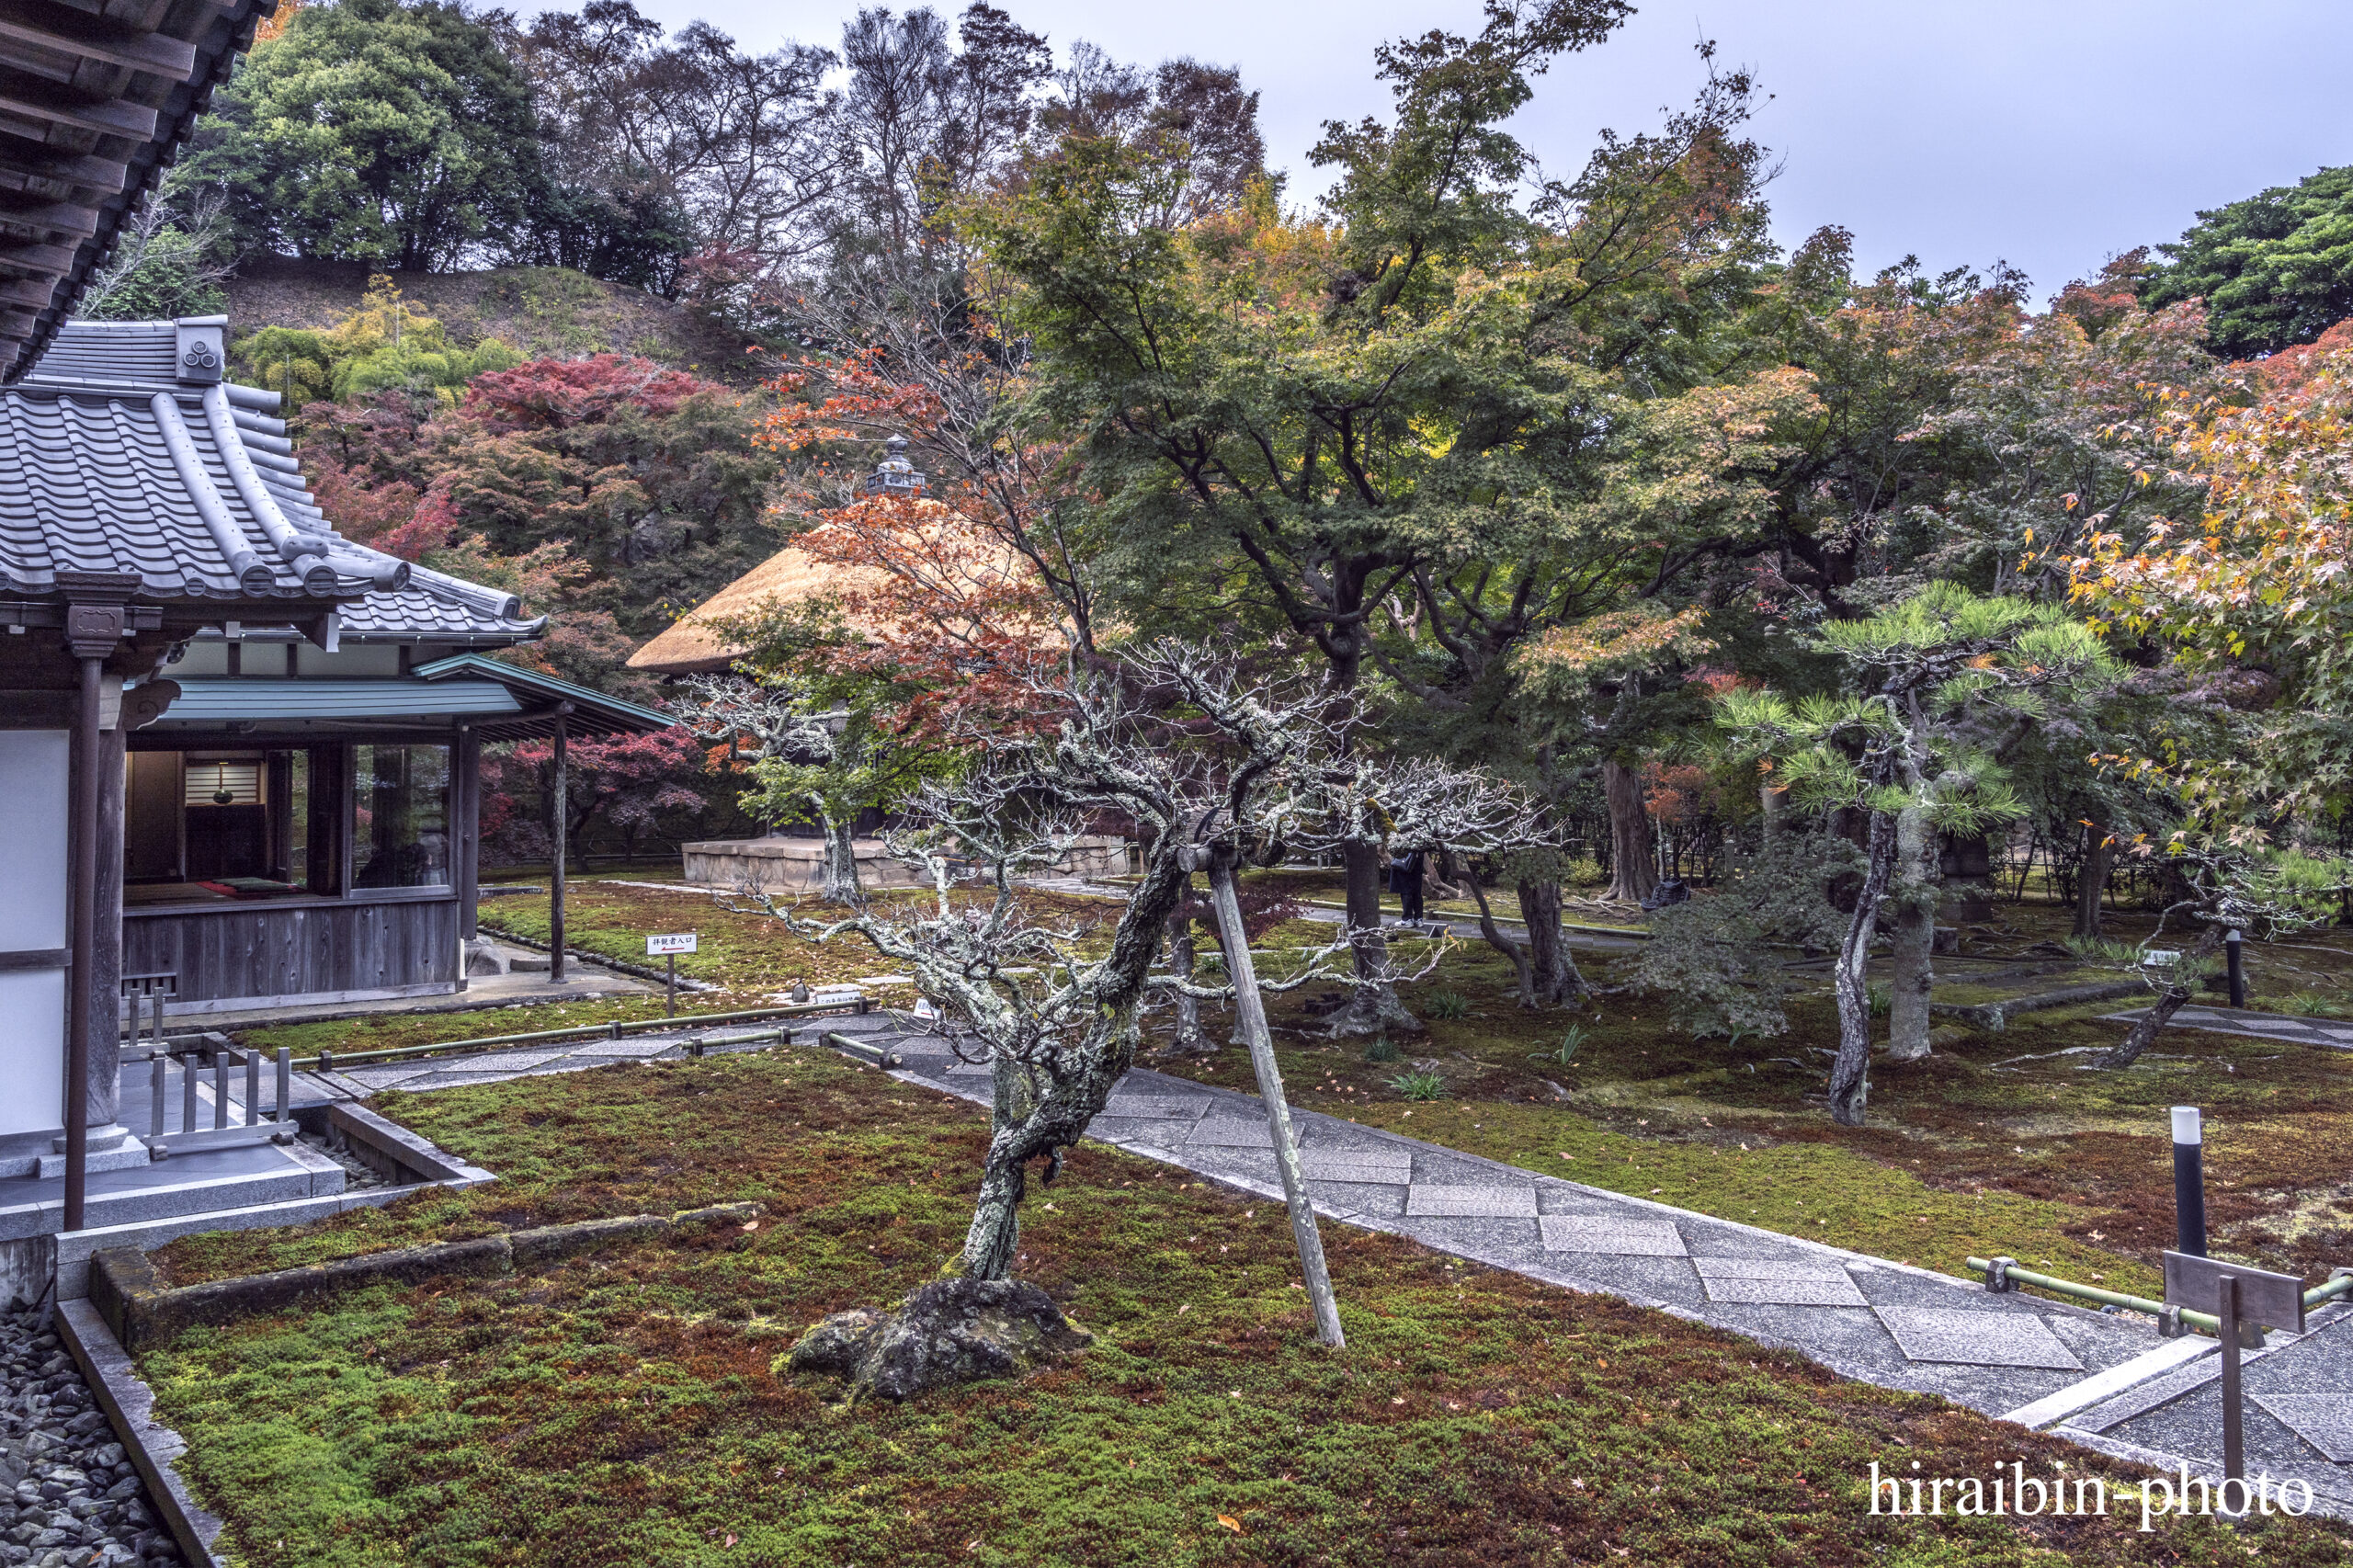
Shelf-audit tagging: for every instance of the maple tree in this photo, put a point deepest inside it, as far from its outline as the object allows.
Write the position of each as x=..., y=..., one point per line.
x=1286, y=421
x=633, y=784
x=2246, y=586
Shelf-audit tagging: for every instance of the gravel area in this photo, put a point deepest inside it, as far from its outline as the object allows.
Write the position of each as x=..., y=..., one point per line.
x=357, y=1173
x=68, y=1495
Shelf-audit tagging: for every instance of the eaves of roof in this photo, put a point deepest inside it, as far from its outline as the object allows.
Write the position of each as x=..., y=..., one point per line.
x=210, y=703
x=94, y=103
x=589, y=712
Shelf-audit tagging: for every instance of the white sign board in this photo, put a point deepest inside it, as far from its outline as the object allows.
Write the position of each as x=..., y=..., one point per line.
x=679, y=942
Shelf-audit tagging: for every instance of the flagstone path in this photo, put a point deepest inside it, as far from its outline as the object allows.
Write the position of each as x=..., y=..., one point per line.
x=2336, y=1034
x=2101, y=1379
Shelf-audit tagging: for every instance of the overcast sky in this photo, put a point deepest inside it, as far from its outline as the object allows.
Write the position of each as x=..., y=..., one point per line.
x=2048, y=134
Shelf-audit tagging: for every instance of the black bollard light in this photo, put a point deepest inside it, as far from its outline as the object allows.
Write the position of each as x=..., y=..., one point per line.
x=2188, y=1181
x=2235, y=945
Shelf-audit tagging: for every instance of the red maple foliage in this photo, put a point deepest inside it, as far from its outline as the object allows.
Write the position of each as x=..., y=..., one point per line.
x=941, y=595
x=629, y=784
x=556, y=393
x=2290, y=371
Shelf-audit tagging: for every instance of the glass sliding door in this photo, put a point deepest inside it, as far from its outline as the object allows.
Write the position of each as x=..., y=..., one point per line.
x=399, y=816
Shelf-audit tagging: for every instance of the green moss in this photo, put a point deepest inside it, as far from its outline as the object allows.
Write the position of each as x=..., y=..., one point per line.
x=1997, y=1143
x=619, y=1409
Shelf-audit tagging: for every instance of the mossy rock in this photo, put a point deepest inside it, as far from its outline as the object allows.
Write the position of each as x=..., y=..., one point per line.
x=951, y=1331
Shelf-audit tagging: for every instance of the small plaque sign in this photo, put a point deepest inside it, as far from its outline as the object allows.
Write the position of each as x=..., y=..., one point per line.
x=677, y=942
x=2275, y=1301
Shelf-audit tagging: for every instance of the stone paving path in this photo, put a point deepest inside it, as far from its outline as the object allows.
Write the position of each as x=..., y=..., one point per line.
x=2336, y=1034
x=2104, y=1380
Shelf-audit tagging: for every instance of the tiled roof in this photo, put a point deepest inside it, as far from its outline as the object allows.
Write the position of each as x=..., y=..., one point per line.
x=94, y=101
x=428, y=614
x=122, y=452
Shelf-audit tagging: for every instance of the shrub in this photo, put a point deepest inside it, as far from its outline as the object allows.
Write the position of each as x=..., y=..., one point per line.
x=1419, y=1085
x=1381, y=1050
x=1447, y=1004
x=1567, y=1051
x=1720, y=961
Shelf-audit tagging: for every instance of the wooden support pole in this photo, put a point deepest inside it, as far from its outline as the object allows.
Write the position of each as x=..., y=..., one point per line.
x=1250, y=1011
x=83, y=834
x=556, y=831
x=2234, y=1412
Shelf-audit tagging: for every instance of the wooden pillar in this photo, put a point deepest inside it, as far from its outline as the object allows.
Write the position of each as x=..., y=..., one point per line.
x=93, y=631
x=279, y=791
x=104, y=1086
x=560, y=813
x=465, y=811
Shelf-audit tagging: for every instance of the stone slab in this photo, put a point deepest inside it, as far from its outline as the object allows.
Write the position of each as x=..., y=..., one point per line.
x=1382, y=1198
x=2324, y=1420
x=622, y=1048
x=1324, y=1164
x=1233, y=1133
x=2130, y=1374
x=1626, y=1237
x=1481, y=1202
x=1976, y=1338
x=1156, y=1105
x=1781, y=1282
x=502, y=1061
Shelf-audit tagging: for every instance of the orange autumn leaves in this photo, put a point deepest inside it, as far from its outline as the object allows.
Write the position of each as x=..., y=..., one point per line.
x=935, y=598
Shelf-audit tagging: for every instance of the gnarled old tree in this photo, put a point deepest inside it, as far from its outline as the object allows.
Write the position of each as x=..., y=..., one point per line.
x=1948, y=681
x=1214, y=775
x=2263, y=891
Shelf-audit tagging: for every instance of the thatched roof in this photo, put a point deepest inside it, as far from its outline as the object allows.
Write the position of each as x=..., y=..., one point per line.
x=695, y=645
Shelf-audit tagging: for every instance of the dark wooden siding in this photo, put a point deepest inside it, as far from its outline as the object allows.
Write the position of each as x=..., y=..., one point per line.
x=295, y=950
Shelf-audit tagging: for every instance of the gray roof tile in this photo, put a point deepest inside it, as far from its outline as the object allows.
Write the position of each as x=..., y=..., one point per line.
x=88, y=481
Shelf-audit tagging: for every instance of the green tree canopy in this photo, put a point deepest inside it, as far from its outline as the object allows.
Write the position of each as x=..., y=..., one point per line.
x=373, y=130
x=2275, y=269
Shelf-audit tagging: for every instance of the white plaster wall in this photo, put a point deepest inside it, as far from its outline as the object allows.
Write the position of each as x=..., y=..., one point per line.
x=32, y=916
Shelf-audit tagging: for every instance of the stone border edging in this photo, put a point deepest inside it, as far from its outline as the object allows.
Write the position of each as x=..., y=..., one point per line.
x=1994, y=1017
x=619, y=966
x=130, y=1406
x=142, y=1312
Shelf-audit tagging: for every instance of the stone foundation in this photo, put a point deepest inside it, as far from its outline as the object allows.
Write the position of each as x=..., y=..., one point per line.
x=797, y=864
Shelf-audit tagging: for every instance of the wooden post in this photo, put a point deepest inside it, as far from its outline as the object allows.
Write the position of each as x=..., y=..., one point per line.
x=2233, y=1418
x=670, y=1003
x=1250, y=1010
x=83, y=835
x=562, y=814
x=465, y=765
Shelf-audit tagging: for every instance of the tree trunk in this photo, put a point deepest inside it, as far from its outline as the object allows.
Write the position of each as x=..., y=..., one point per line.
x=1554, y=981
x=1189, y=1040
x=1501, y=942
x=2092, y=880
x=993, y=1241
x=1772, y=800
x=1252, y=1009
x=841, y=884
x=1632, y=873
x=1915, y=935
x=2144, y=1033
x=1850, y=1074
x=1374, y=1008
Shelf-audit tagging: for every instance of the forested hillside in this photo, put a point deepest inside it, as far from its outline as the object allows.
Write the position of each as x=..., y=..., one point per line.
x=543, y=312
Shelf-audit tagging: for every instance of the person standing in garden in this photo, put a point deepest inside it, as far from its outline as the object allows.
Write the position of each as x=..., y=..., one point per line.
x=1405, y=882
